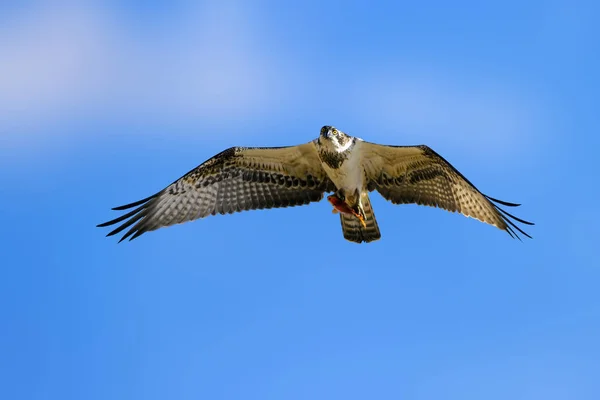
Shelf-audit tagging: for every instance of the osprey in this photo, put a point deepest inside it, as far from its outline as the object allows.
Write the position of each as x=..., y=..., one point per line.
x=249, y=178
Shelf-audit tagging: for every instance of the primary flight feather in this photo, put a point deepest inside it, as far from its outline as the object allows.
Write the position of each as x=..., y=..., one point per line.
x=249, y=178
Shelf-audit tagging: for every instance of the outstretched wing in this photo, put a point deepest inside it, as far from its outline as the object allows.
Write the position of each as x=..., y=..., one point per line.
x=417, y=174
x=237, y=179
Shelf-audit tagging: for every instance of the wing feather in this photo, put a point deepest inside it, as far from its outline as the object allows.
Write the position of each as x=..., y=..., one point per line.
x=237, y=179
x=417, y=174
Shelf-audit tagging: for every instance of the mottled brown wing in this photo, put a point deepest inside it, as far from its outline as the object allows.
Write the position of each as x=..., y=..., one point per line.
x=237, y=179
x=417, y=174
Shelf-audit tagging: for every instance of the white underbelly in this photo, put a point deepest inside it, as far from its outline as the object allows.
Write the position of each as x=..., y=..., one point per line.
x=350, y=175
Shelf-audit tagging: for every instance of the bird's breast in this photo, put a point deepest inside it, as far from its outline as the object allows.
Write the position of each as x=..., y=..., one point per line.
x=333, y=160
x=344, y=170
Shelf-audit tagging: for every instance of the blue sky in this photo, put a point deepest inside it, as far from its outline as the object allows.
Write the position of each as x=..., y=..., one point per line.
x=101, y=105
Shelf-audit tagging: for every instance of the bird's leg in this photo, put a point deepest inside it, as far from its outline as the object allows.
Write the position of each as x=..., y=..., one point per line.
x=360, y=214
x=358, y=210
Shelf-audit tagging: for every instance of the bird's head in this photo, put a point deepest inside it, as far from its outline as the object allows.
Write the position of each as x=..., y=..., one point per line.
x=334, y=138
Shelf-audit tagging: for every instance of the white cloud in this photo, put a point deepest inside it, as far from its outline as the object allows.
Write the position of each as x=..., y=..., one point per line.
x=59, y=63
x=46, y=60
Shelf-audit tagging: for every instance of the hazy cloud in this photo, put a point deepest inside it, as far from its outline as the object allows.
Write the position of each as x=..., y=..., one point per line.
x=57, y=63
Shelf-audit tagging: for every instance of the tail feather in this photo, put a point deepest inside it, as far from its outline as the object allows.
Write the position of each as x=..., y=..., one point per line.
x=352, y=228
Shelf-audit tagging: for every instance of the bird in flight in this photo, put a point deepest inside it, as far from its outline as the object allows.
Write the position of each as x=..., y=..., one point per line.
x=249, y=178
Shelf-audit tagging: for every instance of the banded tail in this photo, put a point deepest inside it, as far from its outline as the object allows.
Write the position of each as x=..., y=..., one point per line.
x=352, y=228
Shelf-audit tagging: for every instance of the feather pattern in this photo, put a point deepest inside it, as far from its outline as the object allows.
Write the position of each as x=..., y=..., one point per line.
x=352, y=228
x=249, y=178
x=417, y=174
x=237, y=179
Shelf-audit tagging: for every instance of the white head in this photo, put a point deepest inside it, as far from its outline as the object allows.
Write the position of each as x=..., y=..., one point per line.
x=334, y=139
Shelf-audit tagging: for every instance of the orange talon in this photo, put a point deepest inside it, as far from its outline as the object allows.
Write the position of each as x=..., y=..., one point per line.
x=361, y=219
